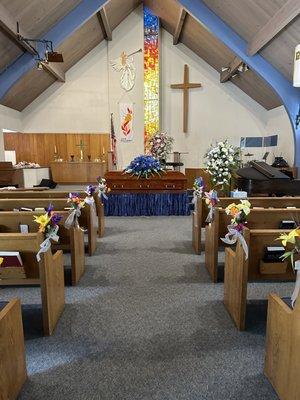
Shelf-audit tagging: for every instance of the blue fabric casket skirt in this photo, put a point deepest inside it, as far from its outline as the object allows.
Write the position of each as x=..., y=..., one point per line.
x=137, y=204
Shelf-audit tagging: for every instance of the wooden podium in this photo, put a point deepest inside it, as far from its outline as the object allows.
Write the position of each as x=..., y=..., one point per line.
x=77, y=172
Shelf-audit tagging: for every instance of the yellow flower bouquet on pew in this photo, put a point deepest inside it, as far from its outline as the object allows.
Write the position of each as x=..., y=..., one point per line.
x=48, y=224
x=239, y=213
x=291, y=242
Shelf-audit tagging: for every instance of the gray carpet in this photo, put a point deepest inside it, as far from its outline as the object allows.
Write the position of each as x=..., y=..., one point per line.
x=145, y=322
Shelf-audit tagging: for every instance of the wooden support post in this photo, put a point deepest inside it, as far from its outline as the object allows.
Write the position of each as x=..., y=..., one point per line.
x=289, y=11
x=232, y=69
x=179, y=26
x=8, y=25
x=55, y=70
x=104, y=23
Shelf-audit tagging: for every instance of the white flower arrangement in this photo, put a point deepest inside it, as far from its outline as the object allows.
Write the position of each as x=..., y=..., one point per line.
x=221, y=161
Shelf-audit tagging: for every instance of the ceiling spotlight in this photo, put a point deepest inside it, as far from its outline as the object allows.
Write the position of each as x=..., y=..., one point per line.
x=44, y=48
x=53, y=56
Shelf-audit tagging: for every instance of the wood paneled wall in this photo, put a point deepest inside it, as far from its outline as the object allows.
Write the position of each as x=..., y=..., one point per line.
x=39, y=147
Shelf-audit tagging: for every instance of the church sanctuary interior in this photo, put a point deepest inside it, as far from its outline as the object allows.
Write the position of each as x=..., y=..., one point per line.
x=149, y=199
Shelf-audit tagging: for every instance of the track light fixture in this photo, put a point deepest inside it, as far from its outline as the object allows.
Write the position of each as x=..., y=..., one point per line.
x=44, y=50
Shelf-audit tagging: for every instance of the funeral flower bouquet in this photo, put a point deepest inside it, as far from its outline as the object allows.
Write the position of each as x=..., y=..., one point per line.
x=221, y=162
x=239, y=213
x=198, y=186
x=48, y=224
x=211, y=199
x=27, y=164
x=291, y=242
x=144, y=166
x=76, y=204
x=102, y=188
x=160, y=145
x=90, y=190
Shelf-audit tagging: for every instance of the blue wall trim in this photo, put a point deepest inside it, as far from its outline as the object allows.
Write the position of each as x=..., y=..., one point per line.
x=289, y=95
x=58, y=33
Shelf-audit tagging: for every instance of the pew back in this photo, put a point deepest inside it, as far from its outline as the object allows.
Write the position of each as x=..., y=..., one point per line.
x=12, y=349
x=56, y=194
x=69, y=239
x=265, y=202
x=88, y=218
x=268, y=218
x=238, y=271
x=48, y=273
x=282, y=365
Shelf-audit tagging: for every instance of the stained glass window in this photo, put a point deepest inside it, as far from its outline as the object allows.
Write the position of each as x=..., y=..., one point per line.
x=151, y=74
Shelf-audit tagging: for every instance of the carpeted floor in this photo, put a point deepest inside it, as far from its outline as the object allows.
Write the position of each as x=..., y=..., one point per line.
x=145, y=323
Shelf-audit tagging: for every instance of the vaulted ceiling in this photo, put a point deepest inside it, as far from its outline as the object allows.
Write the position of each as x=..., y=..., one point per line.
x=246, y=17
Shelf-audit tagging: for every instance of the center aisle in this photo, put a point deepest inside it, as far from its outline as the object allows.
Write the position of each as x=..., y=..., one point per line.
x=145, y=322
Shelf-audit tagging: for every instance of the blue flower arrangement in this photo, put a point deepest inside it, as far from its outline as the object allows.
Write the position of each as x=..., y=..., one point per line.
x=144, y=166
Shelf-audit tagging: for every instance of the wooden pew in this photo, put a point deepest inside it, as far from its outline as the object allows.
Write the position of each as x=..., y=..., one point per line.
x=69, y=239
x=265, y=202
x=48, y=273
x=282, y=365
x=57, y=194
x=258, y=219
x=239, y=271
x=12, y=351
x=87, y=220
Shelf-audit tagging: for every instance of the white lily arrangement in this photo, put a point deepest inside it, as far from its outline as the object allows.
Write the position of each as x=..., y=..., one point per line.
x=221, y=161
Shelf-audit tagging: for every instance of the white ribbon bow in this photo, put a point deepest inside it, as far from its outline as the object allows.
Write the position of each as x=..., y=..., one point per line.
x=46, y=244
x=89, y=200
x=233, y=236
x=73, y=218
x=297, y=284
x=210, y=216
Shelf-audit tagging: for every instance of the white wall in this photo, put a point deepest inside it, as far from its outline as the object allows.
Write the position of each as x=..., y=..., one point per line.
x=216, y=111
x=78, y=105
x=9, y=119
x=92, y=90
x=278, y=123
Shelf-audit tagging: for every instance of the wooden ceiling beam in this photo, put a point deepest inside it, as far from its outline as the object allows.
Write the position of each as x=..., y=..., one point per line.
x=289, y=11
x=233, y=66
x=104, y=23
x=55, y=70
x=8, y=26
x=179, y=26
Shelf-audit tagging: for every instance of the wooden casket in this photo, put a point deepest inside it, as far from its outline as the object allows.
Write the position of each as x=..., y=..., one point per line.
x=169, y=181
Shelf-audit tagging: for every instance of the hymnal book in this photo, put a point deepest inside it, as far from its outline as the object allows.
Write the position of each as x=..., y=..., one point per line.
x=40, y=209
x=26, y=209
x=238, y=194
x=273, y=254
x=11, y=259
x=287, y=224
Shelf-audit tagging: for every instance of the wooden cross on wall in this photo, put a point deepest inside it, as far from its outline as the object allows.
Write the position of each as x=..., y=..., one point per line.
x=185, y=86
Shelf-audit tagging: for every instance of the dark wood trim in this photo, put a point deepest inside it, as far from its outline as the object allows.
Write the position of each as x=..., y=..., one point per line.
x=179, y=26
x=104, y=23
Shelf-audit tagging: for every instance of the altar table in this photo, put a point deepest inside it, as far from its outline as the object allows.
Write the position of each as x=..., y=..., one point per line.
x=77, y=172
